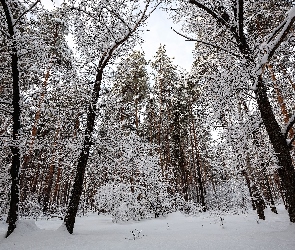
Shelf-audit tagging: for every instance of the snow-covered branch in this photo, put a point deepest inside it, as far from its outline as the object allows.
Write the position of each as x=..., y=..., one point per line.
x=289, y=125
x=6, y=111
x=118, y=16
x=25, y=12
x=270, y=46
x=216, y=16
x=108, y=54
x=5, y=33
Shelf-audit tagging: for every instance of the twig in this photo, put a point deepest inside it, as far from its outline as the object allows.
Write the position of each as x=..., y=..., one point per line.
x=207, y=43
x=5, y=33
x=29, y=9
x=7, y=111
x=92, y=15
x=119, y=17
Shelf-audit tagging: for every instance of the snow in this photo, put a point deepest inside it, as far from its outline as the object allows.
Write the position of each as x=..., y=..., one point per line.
x=177, y=231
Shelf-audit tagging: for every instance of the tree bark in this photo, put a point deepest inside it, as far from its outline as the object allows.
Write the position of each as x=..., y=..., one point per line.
x=14, y=171
x=286, y=170
x=49, y=178
x=280, y=99
x=83, y=157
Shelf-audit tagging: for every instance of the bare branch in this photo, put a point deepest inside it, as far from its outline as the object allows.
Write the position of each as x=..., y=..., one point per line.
x=119, y=17
x=92, y=15
x=207, y=43
x=5, y=33
x=215, y=15
x=28, y=10
x=108, y=54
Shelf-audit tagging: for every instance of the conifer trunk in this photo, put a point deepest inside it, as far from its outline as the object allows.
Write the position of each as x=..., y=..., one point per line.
x=49, y=178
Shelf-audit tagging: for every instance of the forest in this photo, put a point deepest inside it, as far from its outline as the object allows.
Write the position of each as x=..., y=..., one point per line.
x=97, y=127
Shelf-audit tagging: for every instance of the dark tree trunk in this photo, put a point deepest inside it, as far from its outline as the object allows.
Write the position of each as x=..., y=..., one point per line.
x=14, y=171
x=201, y=188
x=200, y=183
x=268, y=191
x=83, y=158
x=278, y=140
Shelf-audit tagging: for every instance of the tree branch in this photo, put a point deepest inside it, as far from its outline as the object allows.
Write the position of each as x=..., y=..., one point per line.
x=92, y=15
x=290, y=124
x=5, y=33
x=119, y=17
x=5, y=102
x=241, y=18
x=28, y=10
x=269, y=37
x=7, y=111
x=215, y=15
x=207, y=43
x=108, y=54
x=285, y=30
x=240, y=36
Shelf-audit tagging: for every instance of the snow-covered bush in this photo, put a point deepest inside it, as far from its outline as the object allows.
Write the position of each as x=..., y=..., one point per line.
x=228, y=196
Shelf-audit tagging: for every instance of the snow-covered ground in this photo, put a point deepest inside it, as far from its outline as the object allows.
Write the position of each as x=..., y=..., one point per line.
x=174, y=232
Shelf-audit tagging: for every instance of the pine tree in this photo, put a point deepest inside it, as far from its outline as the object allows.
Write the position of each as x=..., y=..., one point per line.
x=131, y=86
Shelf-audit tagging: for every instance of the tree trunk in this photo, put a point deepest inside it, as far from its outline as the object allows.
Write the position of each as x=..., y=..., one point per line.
x=14, y=171
x=201, y=190
x=57, y=186
x=83, y=157
x=269, y=192
x=278, y=140
x=49, y=178
x=28, y=157
x=280, y=99
x=249, y=188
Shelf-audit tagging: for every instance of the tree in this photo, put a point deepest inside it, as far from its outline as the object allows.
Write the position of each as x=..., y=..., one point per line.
x=114, y=24
x=14, y=14
x=125, y=170
x=231, y=20
x=131, y=85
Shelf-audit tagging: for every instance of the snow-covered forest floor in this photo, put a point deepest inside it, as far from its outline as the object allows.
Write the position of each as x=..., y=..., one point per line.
x=176, y=231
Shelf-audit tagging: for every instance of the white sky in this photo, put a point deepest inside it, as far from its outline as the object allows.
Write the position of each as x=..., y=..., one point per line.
x=160, y=33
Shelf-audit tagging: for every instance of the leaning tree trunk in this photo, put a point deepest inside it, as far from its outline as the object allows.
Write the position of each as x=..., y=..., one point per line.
x=278, y=140
x=14, y=171
x=83, y=157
